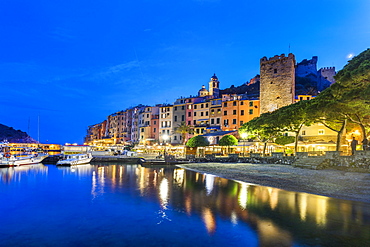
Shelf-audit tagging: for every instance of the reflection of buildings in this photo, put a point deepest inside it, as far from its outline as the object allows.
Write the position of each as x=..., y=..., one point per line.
x=275, y=215
x=16, y=174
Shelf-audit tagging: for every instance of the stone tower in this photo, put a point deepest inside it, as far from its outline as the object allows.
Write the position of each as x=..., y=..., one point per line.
x=277, y=88
x=326, y=77
x=214, y=86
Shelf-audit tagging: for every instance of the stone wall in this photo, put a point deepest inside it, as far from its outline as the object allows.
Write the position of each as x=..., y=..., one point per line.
x=277, y=88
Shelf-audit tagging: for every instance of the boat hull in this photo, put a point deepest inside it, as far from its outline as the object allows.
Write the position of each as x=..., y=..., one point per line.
x=73, y=162
x=6, y=162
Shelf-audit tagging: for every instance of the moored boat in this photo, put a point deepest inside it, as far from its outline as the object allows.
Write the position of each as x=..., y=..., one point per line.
x=75, y=159
x=8, y=160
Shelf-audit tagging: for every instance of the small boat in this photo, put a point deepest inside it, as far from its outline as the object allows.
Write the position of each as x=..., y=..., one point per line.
x=75, y=159
x=13, y=160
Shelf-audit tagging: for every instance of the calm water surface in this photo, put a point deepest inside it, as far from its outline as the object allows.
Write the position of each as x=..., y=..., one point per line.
x=129, y=205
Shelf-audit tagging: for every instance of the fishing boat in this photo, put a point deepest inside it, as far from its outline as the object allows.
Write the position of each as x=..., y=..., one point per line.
x=7, y=160
x=75, y=159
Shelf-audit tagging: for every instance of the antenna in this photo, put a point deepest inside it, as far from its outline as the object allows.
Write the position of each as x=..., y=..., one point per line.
x=38, y=129
x=28, y=130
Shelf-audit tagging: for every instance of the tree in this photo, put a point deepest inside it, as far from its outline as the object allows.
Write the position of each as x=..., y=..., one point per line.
x=264, y=129
x=283, y=140
x=184, y=129
x=197, y=141
x=293, y=117
x=228, y=140
x=352, y=89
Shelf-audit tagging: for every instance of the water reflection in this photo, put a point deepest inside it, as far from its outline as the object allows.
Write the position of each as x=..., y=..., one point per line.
x=276, y=217
x=16, y=174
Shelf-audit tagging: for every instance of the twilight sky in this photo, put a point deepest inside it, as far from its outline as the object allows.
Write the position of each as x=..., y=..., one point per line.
x=72, y=63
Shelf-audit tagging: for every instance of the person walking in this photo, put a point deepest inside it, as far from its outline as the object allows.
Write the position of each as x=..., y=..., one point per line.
x=353, y=145
x=365, y=143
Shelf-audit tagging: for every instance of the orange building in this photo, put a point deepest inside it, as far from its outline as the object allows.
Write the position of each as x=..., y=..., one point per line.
x=235, y=112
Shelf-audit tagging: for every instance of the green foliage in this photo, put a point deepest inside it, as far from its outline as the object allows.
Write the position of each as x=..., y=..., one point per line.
x=184, y=129
x=283, y=140
x=357, y=72
x=197, y=141
x=228, y=140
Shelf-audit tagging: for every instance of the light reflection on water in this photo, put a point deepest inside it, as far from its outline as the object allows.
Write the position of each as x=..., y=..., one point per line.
x=130, y=205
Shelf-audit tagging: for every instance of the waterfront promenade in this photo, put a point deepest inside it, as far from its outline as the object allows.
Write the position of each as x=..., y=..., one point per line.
x=332, y=183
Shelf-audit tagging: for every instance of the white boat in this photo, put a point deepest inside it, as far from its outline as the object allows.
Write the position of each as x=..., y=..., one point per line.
x=12, y=160
x=75, y=159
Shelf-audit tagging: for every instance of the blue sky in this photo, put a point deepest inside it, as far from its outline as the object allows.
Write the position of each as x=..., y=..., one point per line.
x=72, y=63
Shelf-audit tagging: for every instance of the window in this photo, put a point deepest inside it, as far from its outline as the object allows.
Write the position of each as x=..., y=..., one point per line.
x=225, y=113
x=303, y=132
x=250, y=103
x=142, y=129
x=201, y=114
x=147, y=115
x=242, y=112
x=175, y=118
x=189, y=106
x=155, y=122
x=321, y=132
x=217, y=120
x=175, y=108
x=225, y=104
x=183, y=107
x=234, y=121
x=195, y=106
x=194, y=122
x=207, y=105
x=182, y=118
x=189, y=114
x=212, y=111
x=195, y=114
x=234, y=103
x=250, y=111
x=275, y=71
x=241, y=102
x=234, y=112
x=206, y=113
x=241, y=123
x=201, y=106
x=212, y=121
x=226, y=122
x=197, y=130
x=175, y=138
x=189, y=122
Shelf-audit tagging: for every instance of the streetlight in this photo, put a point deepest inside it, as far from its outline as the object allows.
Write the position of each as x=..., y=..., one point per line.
x=244, y=135
x=165, y=137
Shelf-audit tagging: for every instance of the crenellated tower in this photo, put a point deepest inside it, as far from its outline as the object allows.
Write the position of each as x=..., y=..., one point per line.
x=277, y=88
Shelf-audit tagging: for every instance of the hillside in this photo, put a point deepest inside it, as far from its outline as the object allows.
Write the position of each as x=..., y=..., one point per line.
x=11, y=135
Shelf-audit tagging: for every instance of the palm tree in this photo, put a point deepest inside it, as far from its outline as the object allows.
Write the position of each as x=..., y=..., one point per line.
x=184, y=129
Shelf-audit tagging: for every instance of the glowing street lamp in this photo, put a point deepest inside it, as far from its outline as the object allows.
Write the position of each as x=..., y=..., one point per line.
x=244, y=136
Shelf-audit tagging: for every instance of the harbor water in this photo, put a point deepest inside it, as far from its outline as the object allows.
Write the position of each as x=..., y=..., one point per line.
x=109, y=204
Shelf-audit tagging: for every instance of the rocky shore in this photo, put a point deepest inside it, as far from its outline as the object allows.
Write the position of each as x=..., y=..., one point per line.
x=333, y=183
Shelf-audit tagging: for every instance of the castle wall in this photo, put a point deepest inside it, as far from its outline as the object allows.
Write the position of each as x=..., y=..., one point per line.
x=277, y=87
x=326, y=77
x=307, y=67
